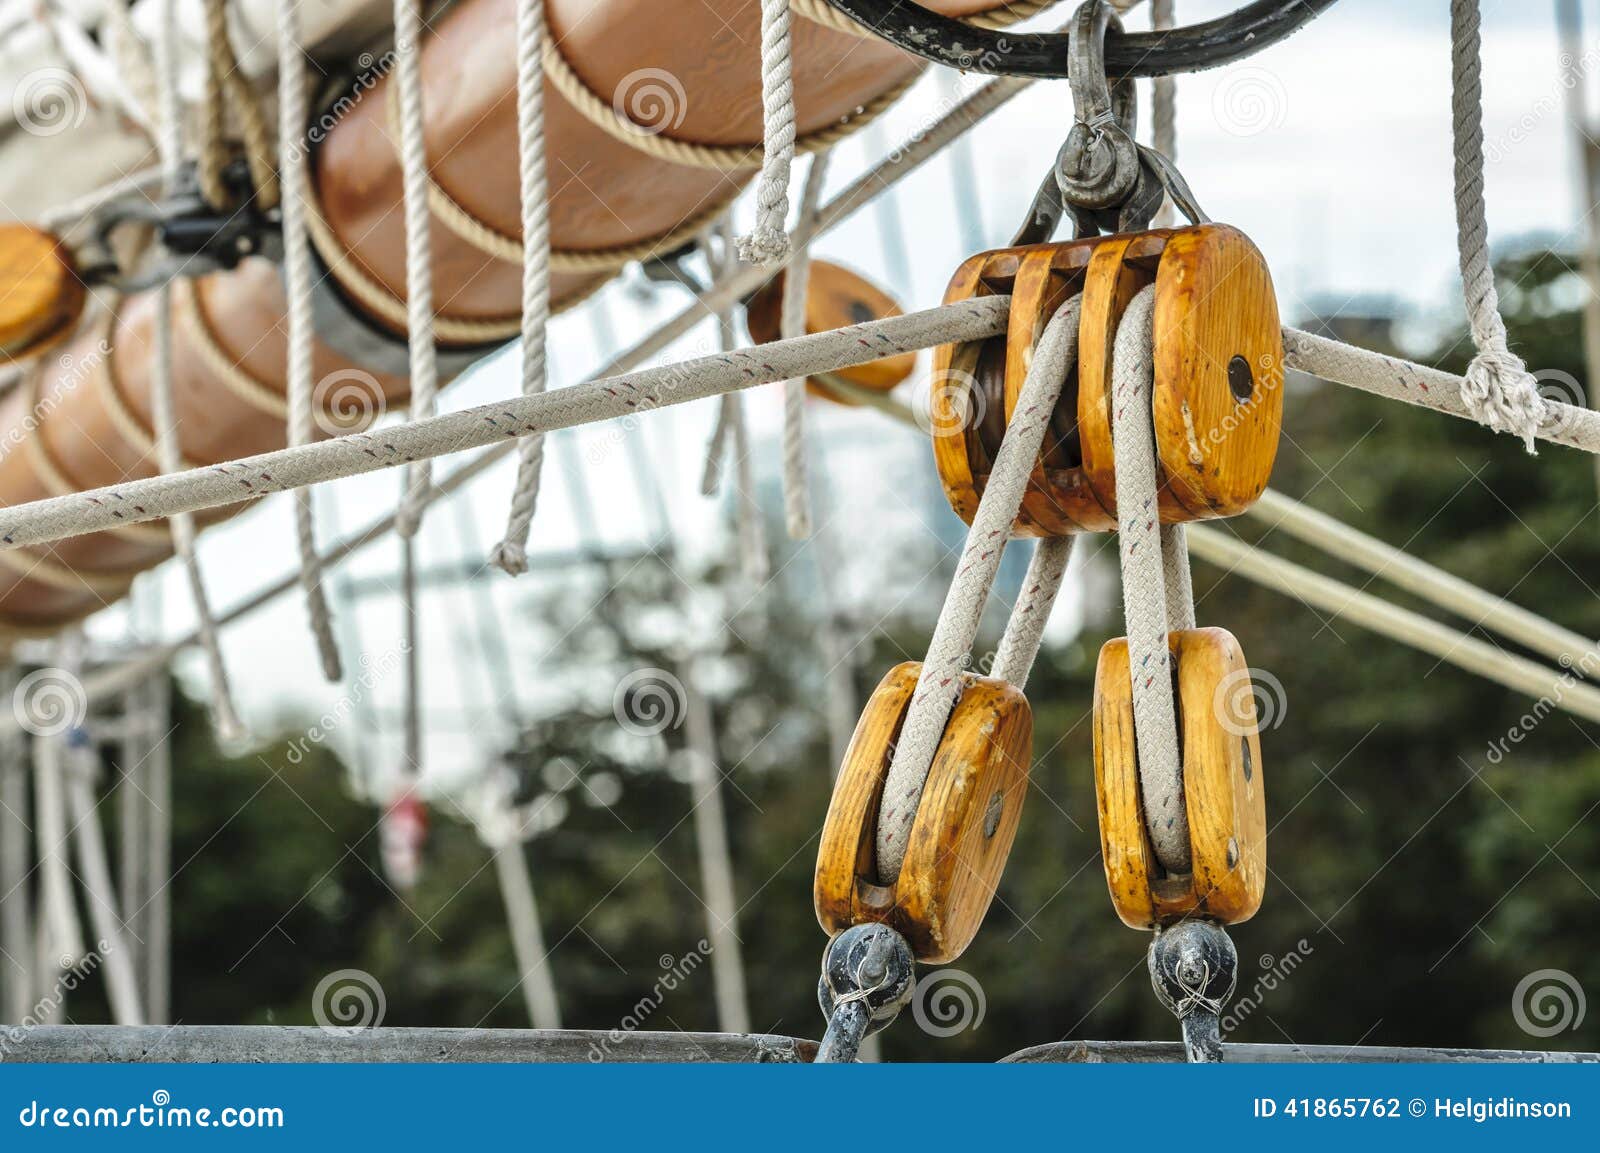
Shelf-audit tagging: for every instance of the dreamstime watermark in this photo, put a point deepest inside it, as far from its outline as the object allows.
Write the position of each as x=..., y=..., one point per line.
x=947, y=1002
x=71, y=372
x=48, y=702
x=648, y=702
x=1566, y=400
x=1249, y=101
x=347, y=1001
x=1547, y=1002
x=73, y=973
x=950, y=404
x=677, y=971
x=1266, y=381
x=49, y=101
x=664, y=384
x=372, y=671
x=1248, y=701
x=347, y=400
x=370, y=71
x=1576, y=671
x=1572, y=74
x=650, y=101
x=1277, y=970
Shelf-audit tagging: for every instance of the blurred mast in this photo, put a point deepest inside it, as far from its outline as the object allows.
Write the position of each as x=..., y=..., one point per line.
x=1569, y=25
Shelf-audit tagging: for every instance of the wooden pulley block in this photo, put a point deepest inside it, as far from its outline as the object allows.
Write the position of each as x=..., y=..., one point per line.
x=1218, y=396
x=965, y=823
x=835, y=298
x=41, y=296
x=1223, y=788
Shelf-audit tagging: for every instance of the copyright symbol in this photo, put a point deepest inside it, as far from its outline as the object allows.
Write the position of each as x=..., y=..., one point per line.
x=1418, y=1106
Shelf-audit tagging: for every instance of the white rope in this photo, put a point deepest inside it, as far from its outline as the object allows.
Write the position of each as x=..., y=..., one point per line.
x=1164, y=111
x=1563, y=690
x=511, y=554
x=1019, y=646
x=1498, y=391
x=939, y=685
x=1148, y=597
x=163, y=406
x=1422, y=579
x=792, y=323
x=297, y=274
x=770, y=240
x=60, y=932
x=732, y=434
x=419, y=247
x=1396, y=379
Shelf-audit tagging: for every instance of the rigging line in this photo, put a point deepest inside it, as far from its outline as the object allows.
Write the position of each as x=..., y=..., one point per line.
x=882, y=177
x=1422, y=579
x=1562, y=690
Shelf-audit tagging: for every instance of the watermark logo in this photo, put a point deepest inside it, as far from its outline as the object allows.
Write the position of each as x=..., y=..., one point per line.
x=1249, y=101
x=951, y=404
x=1275, y=971
x=947, y=1002
x=648, y=702
x=348, y=400
x=1565, y=396
x=347, y=1001
x=1547, y=1002
x=1248, y=701
x=49, y=702
x=49, y=101
x=650, y=101
x=674, y=972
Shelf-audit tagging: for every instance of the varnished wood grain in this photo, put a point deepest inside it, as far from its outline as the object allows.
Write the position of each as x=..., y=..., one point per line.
x=41, y=297
x=1215, y=303
x=1222, y=786
x=966, y=819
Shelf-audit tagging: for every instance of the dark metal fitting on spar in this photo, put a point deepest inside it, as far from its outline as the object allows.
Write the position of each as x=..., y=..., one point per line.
x=1191, y=48
x=197, y=238
x=342, y=327
x=1193, y=966
x=1098, y=164
x=868, y=974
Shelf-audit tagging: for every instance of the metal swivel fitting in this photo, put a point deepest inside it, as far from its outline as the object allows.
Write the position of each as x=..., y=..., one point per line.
x=868, y=974
x=1192, y=967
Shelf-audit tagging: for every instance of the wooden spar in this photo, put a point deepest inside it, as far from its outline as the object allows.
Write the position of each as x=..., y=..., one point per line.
x=80, y=426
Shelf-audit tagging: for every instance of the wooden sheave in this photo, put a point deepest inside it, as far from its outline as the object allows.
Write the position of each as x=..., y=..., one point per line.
x=90, y=414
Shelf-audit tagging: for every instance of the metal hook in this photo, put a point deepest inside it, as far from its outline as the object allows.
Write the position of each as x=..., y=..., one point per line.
x=1098, y=164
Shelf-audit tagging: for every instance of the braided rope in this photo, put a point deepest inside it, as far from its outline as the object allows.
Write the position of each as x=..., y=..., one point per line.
x=163, y=406
x=419, y=250
x=511, y=554
x=939, y=684
x=1148, y=598
x=769, y=243
x=297, y=277
x=1019, y=646
x=233, y=481
x=1498, y=391
x=54, y=478
x=792, y=323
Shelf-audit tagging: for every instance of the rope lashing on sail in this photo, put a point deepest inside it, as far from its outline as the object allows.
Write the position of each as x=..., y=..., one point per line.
x=511, y=554
x=163, y=407
x=1498, y=389
x=950, y=649
x=297, y=277
x=420, y=332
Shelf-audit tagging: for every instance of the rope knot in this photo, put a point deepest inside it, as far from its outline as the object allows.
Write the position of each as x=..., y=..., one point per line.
x=765, y=246
x=1501, y=393
x=509, y=558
